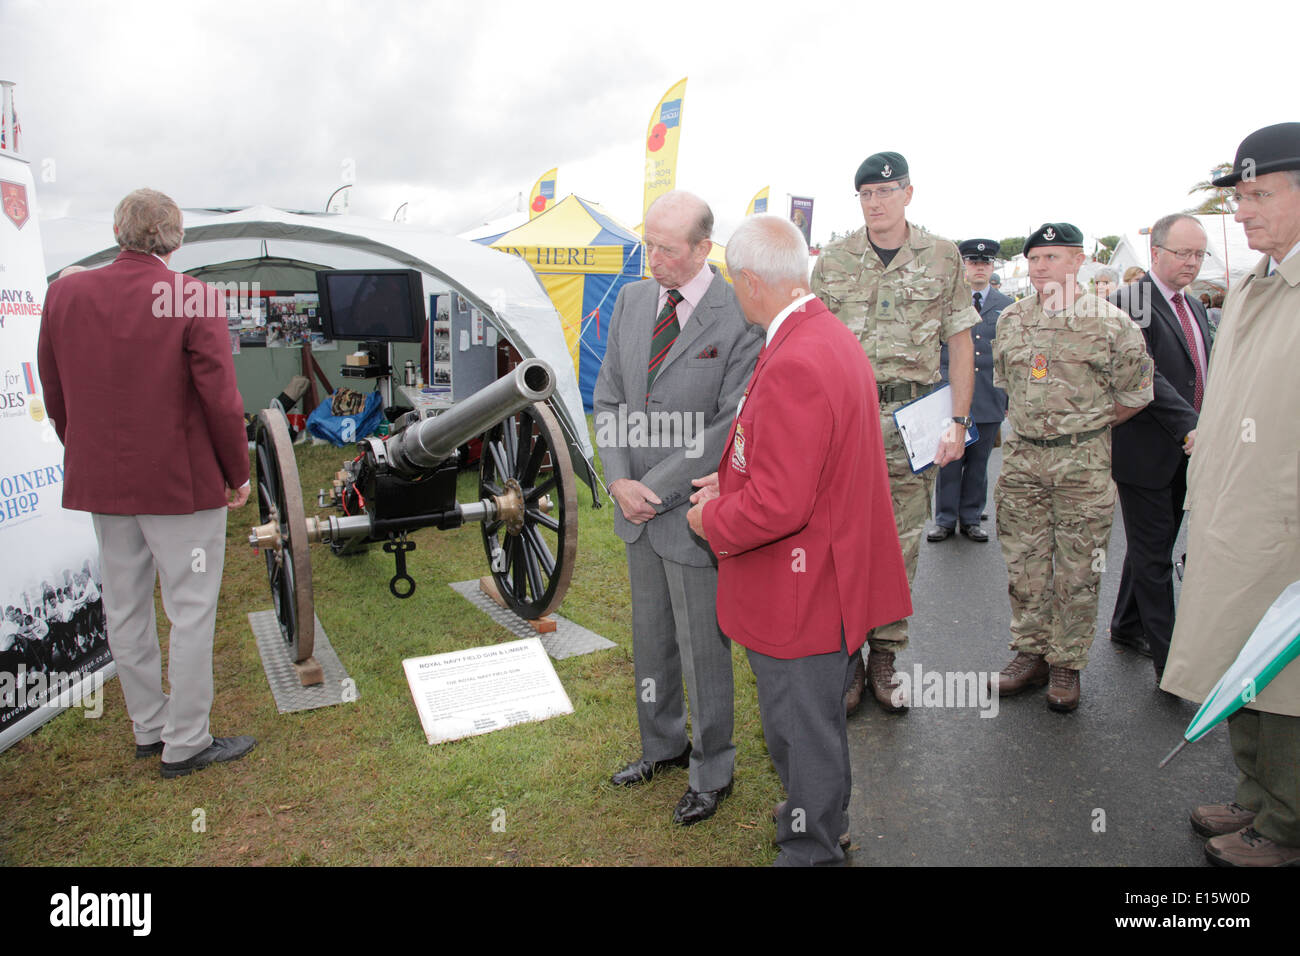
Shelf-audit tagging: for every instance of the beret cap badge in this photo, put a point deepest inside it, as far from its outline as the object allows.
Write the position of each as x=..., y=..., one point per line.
x=1054, y=234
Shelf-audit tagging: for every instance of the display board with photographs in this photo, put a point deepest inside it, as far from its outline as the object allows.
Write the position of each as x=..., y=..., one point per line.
x=278, y=321
x=248, y=319
x=440, y=342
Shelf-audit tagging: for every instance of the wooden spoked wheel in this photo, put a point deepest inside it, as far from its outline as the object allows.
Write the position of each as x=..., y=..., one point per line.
x=532, y=542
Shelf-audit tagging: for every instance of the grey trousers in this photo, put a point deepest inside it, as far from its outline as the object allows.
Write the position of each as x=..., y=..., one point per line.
x=1266, y=748
x=801, y=702
x=187, y=553
x=675, y=637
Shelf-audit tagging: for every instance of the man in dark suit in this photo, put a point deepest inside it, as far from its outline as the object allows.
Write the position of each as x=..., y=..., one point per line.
x=678, y=356
x=1149, y=451
x=140, y=386
x=804, y=461
x=963, y=484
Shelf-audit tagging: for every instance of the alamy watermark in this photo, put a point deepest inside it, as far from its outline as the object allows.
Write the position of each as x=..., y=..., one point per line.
x=657, y=429
x=922, y=688
x=26, y=689
x=176, y=299
x=77, y=908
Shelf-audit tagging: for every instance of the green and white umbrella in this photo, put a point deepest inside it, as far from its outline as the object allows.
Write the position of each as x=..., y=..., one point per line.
x=1274, y=644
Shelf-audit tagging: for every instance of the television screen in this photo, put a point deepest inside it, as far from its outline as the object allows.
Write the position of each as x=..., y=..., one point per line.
x=383, y=305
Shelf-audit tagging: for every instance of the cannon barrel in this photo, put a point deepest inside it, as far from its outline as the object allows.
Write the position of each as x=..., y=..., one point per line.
x=421, y=447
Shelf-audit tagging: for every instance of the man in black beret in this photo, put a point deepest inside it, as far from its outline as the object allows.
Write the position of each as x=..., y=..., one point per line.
x=903, y=293
x=963, y=484
x=1243, y=545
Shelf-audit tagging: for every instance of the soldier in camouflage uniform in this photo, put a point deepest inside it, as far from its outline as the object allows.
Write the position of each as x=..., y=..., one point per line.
x=1072, y=365
x=903, y=293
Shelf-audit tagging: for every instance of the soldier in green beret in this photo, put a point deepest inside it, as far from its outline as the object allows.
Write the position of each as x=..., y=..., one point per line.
x=903, y=293
x=1072, y=365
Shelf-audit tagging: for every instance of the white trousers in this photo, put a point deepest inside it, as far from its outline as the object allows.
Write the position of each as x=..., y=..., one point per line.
x=187, y=554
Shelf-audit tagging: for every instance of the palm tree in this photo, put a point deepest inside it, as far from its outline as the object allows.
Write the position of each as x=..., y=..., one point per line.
x=1215, y=203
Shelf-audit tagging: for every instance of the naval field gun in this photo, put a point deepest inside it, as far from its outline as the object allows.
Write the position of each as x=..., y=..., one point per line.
x=406, y=481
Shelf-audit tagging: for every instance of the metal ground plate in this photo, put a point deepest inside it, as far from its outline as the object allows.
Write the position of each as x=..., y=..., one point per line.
x=567, y=640
x=290, y=695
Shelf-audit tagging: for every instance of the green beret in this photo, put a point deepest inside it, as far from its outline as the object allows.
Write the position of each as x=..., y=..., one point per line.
x=1054, y=234
x=880, y=168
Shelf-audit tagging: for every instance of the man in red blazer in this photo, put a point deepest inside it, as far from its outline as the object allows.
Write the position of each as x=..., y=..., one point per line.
x=800, y=519
x=140, y=386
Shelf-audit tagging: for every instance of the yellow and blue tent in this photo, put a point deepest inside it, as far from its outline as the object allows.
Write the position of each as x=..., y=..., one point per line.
x=583, y=257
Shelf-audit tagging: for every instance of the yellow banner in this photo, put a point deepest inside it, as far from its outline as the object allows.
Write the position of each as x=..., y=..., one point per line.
x=758, y=205
x=565, y=292
x=542, y=197
x=661, y=144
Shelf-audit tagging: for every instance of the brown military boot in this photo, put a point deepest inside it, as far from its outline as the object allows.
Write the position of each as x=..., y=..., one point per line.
x=1025, y=670
x=1063, y=692
x=1217, y=819
x=1247, y=848
x=884, y=684
x=853, y=699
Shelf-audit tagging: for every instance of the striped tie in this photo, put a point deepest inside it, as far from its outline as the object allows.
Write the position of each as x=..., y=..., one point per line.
x=665, y=334
x=1199, y=389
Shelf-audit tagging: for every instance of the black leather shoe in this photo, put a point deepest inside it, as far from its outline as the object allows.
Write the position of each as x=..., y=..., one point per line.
x=639, y=771
x=148, y=750
x=975, y=533
x=940, y=533
x=697, y=805
x=1134, y=642
x=221, y=750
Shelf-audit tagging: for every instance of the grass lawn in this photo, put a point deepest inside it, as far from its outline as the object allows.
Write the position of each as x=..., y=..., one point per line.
x=357, y=784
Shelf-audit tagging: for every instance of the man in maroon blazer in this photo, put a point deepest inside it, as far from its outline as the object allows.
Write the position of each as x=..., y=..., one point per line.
x=140, y=386
x=800, y=519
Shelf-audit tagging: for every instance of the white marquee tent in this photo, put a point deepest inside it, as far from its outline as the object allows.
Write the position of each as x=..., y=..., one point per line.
x=502, y=286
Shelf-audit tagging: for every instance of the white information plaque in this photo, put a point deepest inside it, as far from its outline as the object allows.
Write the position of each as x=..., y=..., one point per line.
x=481, y=689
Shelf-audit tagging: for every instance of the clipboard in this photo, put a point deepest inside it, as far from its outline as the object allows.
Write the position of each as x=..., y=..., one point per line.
x=920, y=425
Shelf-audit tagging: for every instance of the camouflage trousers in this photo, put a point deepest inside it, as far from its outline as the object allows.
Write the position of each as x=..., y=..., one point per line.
x=1055, y=508
x=911, y=494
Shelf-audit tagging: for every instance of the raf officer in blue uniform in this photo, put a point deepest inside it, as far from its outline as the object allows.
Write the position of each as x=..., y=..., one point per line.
x=963, y=484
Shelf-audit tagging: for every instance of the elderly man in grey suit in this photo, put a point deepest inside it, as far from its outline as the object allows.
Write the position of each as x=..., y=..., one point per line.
x=678, y=357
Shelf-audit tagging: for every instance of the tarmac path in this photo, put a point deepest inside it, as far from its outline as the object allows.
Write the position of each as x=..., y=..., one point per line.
x=1025, y=786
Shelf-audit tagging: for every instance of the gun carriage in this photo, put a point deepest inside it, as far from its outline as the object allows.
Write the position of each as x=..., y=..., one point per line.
x=406, y=481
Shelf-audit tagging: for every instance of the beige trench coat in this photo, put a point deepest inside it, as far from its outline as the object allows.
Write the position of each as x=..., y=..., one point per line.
x=1243, y=494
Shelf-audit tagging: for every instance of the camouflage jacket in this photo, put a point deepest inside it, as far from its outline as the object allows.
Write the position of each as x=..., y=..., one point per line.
x=1064, y=373
x=902, y=314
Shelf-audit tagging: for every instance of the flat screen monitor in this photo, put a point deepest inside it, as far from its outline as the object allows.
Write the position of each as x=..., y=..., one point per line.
x=382, y=305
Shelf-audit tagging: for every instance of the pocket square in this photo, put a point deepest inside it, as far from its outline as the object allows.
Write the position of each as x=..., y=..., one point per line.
x=710, y=351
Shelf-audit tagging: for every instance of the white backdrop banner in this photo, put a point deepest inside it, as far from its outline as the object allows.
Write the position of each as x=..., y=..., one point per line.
x=53, y=646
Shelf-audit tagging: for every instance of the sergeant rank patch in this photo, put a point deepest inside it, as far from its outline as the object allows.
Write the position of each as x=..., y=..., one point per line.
x=1038, y=367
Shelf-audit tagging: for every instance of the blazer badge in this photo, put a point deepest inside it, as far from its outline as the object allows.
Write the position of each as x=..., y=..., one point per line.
x=738, y=450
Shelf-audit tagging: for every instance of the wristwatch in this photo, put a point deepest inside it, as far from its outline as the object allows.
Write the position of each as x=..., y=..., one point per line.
x=966, y=422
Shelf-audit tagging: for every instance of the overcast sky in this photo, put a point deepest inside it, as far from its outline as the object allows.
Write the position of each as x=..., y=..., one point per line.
x=1103, y=114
